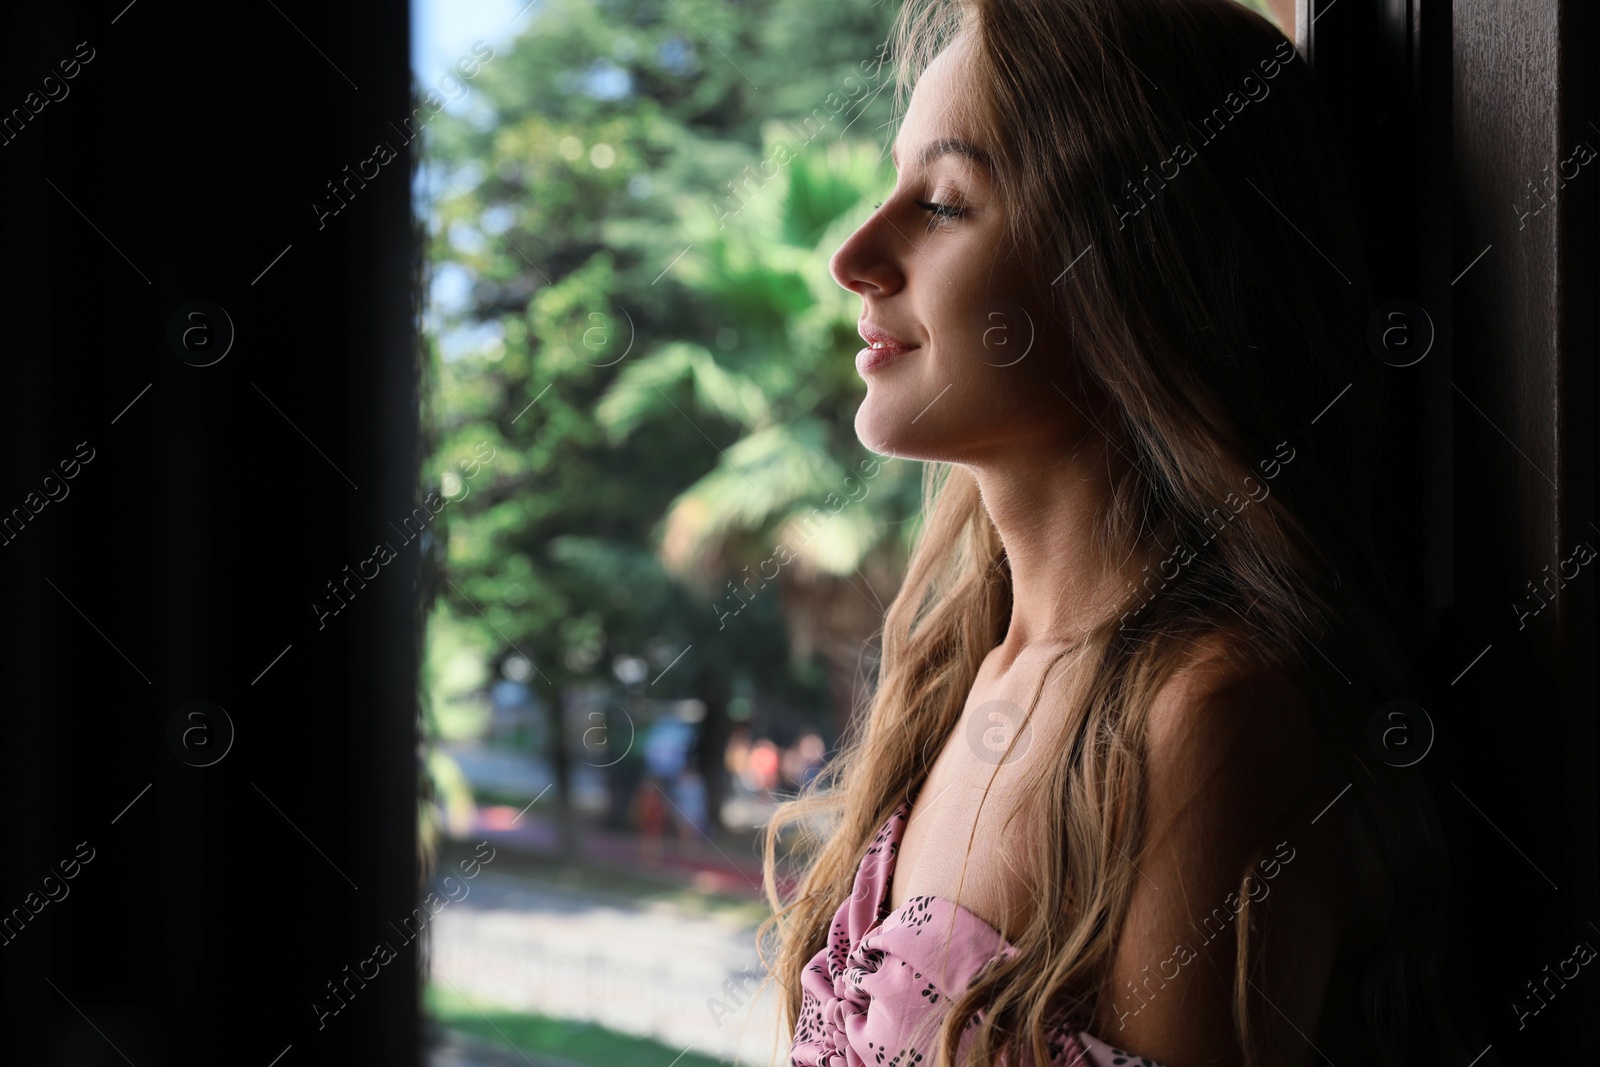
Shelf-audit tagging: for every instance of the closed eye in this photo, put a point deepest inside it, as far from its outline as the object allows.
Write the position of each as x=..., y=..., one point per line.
x=937, y=212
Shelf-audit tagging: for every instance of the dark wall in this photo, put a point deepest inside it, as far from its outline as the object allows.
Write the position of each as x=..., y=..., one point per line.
x=1458, y=119
x=210, y=904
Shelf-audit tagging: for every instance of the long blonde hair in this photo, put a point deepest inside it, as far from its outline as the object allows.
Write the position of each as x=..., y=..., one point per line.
x=1221, y=310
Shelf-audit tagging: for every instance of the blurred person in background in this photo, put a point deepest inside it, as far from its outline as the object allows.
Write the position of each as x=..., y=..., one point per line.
x=690, y=797
x=761, y=768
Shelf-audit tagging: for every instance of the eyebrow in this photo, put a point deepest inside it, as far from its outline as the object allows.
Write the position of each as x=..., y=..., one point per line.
x=945, y=146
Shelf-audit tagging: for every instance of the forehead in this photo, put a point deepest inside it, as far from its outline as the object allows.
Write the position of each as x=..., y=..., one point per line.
x=934, y=125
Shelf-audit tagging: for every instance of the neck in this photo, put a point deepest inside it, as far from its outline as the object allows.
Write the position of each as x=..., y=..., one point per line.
x=1063, y=582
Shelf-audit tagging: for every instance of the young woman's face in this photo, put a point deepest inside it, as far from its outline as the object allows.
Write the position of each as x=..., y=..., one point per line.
x=979, y=379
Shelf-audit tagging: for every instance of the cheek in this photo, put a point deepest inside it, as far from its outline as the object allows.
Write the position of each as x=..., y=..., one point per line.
x=990, y=346
x=1007, y=335
x=983, y=309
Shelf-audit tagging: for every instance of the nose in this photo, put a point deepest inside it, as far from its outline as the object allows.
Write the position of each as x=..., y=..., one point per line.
x=865, y=264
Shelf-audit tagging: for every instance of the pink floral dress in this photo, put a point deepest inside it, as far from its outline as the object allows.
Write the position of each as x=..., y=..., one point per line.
x=874, y=996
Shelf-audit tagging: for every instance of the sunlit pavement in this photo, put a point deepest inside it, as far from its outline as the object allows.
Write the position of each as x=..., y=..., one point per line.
x=652, y=970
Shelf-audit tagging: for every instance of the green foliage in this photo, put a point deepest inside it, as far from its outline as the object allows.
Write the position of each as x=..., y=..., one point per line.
x=532, y=1034
x=644, y=204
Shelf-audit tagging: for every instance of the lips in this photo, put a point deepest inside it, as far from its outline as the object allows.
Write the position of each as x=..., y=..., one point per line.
x=882, y=347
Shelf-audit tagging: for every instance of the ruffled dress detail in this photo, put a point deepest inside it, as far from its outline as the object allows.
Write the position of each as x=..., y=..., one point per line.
x=877, y=993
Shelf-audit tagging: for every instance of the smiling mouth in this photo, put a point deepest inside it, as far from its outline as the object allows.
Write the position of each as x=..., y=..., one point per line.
x=879, y=353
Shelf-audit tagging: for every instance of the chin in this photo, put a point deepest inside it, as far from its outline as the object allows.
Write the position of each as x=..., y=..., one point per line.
x=891, y=433
x=875, y=431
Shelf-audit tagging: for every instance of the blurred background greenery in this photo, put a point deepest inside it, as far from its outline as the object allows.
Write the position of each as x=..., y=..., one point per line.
x=629, y=238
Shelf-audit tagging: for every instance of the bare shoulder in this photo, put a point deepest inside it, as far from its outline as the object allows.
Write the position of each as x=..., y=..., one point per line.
x=1230, y=756
x=1233, y=728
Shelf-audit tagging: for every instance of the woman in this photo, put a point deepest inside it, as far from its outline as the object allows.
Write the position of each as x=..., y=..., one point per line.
x=1112, y=791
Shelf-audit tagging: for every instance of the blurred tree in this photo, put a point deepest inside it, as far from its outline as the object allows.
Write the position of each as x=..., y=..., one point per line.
x=796, y=499
x=618, y=245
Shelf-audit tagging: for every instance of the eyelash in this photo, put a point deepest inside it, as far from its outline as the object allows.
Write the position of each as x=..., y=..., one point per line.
x=937, y=213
